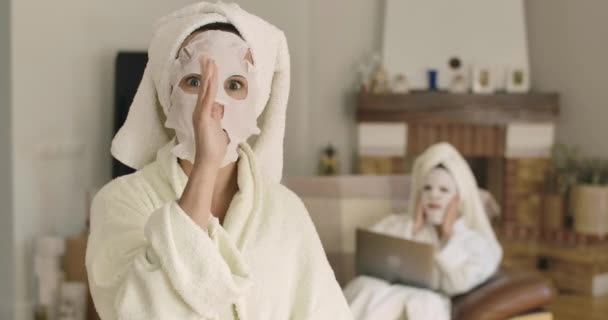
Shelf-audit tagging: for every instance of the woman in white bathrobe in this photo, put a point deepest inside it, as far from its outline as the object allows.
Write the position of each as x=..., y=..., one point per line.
x=204, y=229
x=446, y=211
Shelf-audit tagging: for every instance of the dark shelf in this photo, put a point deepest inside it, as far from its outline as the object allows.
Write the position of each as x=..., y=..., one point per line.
x=485, y=109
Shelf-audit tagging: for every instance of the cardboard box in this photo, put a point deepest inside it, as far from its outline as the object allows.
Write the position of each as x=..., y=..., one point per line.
x=582, y=270
x=75, y=269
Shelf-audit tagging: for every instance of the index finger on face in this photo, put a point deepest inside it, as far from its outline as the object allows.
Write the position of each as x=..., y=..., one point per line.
x=203, y=88
x=207, y=99
x=455, y=202
x=418, y=205
x=205, y=73
x=419, y=215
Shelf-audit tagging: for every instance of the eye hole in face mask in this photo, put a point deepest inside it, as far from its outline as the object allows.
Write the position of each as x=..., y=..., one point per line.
x=191, y=83
x=236, y=87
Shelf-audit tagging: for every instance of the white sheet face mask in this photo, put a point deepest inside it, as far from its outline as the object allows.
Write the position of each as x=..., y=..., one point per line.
x=240, y=121
x=438, y=190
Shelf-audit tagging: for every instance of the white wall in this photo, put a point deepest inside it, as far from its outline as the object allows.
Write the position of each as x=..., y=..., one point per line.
x=569, y=54
x=326, y=39
x=293, y=18
x=6, y=207
x=423, y=34
x=342, y=33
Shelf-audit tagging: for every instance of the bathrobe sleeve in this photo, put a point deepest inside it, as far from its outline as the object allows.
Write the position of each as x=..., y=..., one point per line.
x=466, y=261
x=159, y=264
x=318, y=294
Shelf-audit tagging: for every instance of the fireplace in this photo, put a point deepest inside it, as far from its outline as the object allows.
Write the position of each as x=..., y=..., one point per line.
x=506, y=138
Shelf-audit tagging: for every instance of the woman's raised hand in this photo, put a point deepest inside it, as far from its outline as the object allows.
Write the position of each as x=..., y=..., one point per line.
x=210, y=139
x=447, y=227
x=211, y=142
x=419, y=218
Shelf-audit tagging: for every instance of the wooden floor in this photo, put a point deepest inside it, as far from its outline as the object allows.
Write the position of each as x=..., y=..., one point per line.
x=577, y=307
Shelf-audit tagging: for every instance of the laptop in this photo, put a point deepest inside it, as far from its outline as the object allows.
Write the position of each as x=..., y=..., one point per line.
x=393, y=259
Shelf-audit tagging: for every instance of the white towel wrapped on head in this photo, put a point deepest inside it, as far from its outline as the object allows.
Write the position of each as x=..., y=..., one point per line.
x=143, y=133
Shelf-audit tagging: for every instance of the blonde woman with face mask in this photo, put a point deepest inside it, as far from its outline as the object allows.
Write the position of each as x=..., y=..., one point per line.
x=204, y=229
x=448, y=213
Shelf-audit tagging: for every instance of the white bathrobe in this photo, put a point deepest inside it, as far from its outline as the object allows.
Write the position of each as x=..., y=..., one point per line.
x=147, y=259
x=468, y=259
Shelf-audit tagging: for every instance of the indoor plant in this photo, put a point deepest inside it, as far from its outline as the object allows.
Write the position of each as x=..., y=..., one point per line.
x=560, y=179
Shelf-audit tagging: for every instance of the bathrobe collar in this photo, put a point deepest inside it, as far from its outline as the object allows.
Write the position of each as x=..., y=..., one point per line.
x=244, y=205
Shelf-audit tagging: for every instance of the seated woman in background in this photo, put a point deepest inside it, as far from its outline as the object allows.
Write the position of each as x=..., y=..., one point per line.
x=447, y=212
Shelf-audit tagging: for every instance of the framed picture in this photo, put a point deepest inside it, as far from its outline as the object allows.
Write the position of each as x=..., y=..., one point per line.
x=483, y=80
x=518, y=80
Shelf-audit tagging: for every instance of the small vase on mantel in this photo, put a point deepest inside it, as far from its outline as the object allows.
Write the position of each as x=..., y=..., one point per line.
x=458, y=79
x=380, y=83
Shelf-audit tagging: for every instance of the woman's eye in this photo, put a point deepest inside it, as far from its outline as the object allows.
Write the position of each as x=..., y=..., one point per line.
x=444, y=190
x=193, y=81
x=234, y=85
x=427, y=188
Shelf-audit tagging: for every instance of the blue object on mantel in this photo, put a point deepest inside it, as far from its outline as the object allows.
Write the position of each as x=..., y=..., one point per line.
x=432, y=77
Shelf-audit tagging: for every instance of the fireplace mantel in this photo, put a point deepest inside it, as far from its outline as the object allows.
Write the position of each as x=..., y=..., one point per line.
x=507, y=137
x=479, y=125
x=439, y=107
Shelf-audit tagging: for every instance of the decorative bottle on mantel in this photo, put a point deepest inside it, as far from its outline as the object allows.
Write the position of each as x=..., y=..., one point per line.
x=458, y=80
x=400, y=84
x=380, y=81
x=329, y=163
